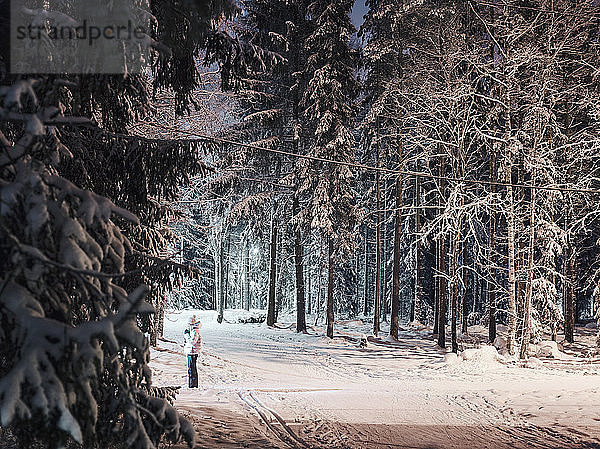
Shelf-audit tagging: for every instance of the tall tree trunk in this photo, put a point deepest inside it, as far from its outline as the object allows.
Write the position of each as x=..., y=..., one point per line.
x=330, y=272
x=521, y=247
x=528, y=293
x=512, y=303
x=160, y=313
x=298, y=256
x=416, y=309
x=437, y=289
x=570, y=280
x=491, y=286
x=155, y=329
x=215, y=300
x=309, y=294
x=442, y=267
x=296, y=65
x=378, y=250
x=279, y=293
x=454, y=277
x=272, y=274
x=383, y=301
x=394, y=319
x=366, y=285
x=442, y=293
x=219, y=280
x=322, y=266
x=247, y=276
x=454, y=291
x=225, y=275
x=356, y=300
x=568, y=288
x=465, y=303
x=241, y=279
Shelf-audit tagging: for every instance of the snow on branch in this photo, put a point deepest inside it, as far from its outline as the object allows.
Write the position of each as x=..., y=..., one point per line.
x=74, y=359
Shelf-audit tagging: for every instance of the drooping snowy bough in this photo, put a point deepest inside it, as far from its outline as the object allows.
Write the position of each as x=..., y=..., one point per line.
x=73, y=361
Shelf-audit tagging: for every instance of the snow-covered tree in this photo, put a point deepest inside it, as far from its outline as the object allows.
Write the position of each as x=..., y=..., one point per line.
x=74, y=361
x=326, y=188
x=82, y=229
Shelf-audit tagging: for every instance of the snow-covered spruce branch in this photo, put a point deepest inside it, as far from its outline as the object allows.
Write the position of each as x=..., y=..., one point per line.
x=75, y=361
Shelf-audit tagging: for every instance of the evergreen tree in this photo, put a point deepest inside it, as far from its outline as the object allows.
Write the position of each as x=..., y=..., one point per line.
x=74, y=359
x=327, y=188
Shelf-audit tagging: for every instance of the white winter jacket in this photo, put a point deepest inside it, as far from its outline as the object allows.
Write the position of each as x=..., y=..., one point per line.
x=193, y=340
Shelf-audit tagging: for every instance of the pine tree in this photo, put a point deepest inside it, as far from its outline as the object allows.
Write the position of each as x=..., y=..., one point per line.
x=75, y=357
x=328, y=103
x=268, y=105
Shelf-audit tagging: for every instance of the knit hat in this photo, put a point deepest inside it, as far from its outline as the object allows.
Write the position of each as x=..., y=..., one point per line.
x=194, y=320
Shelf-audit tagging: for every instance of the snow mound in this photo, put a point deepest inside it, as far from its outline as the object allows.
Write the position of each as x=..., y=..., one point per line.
x=471, y=337
x=500, y=345
x=418, y=326
x=475, y=358
x=241, y=316
x=591, y=325
x=451, y=359
x=484, y=356
x=548, y=349
x=533, y=362
x=337, y=341
x=477, y=329
x=356, y=322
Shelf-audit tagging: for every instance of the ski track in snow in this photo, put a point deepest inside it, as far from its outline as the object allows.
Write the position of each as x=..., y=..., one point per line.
x=310, y=391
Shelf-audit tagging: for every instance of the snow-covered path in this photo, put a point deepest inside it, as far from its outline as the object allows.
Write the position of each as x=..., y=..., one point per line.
x=311, y=383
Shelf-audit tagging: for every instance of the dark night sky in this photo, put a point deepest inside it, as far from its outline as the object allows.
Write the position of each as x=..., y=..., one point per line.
x=358, y=11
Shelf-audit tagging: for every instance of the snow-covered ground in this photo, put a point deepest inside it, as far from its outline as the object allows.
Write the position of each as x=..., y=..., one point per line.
x=301, y=390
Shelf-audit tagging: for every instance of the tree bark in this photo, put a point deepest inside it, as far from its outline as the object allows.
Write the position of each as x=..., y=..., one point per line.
x=442, y=293
x=219, y=281
x=225, y=275
x=464, y=273
x=154, y=328
x=378, y=250
x=454, y=279
x=512, y=304
x=160, y=315
x=568, y=289
x=570, y=311
x=442, y=268
x=491, y=286
x=528, y=292
x=309, y=286
x=436, y=292
x=366, y=268
x=383, y=300
x=330, y=272
x=394, y=319
x=279, y=283
x=416, y=309
x=247, y=276
x=454, y=291
x=272, y=274
x=298, y=259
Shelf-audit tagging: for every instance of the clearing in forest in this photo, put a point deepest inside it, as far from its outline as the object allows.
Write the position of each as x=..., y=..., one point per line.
x=271, y=387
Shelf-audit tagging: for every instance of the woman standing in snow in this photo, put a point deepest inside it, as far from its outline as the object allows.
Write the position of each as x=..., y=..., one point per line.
x=191, y=348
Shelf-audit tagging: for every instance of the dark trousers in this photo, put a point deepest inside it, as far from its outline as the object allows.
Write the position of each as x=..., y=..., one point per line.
x=192, y=371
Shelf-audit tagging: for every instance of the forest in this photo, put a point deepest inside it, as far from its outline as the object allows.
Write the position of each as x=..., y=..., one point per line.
x=444, y=172
x=396, y=194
